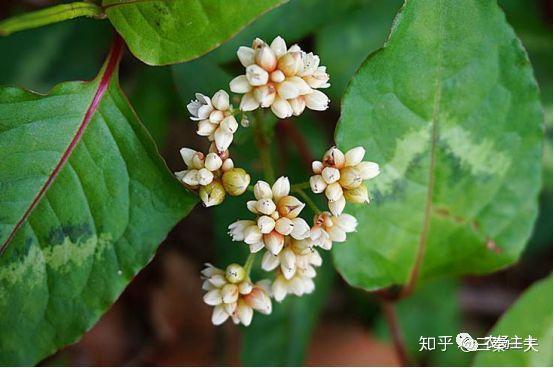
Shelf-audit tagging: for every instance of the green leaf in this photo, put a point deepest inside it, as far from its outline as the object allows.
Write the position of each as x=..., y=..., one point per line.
x=450, y=110
x=345, y=43
x=531, y=315
x=85, y=199
x=161, y=32
x=71, y=50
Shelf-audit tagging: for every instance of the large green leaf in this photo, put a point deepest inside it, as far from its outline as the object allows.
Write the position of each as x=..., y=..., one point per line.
x=450, y=110
x=531, y=315
x=163, y=32
x=85, y=199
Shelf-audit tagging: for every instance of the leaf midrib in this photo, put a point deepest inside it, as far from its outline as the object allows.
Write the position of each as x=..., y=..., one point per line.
x=105, y=79
x=422, y=244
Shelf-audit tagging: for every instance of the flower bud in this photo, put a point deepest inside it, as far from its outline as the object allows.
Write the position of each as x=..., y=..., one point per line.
x=220, y=100
x=230, y=293
x=357, y=195
x=265, y=206
x=262, y=190
x=290, y=207
x=244, y=313
x=212, y=194
x=240, y=85
x=229, y=124
x=280, y=188
x=258, y=43
x=269, y=261
x=237, y=229
x=265, y=95
x=298, y=105
x=197, y=161
x=235, y=273
x=228, y=165
x=213, y=297
x=223, y=139
x=205, y=128
x=337, y=206
x=289, y=63
x=191, y=178
x=334, y=157
x=205, y=176
x=277, y=76
x=265, y=57
x=288, y=90
x=213, y=162
x=350, y=177
x=266, y=224
x=354, y=156
x=252, y=234
x=281, y=108
x=256, y=75
x=215, y=117
x=284, y=226
x=300, y=229
x=230, y=308
x=244, y=122
x=301, y=84
x=330, y=175
x=288, y=263
x=317, y=167
x=317, y=184
x=368, y=169
x=279, y=288
x=219, y=315
x=333, y=192
x=235, y=181
x=246, y=56
x=187, y=154
x=274, y=242
x=248, y=102
x=317, y=100
x=245, y=287
x=278, y=46
x=259, y=300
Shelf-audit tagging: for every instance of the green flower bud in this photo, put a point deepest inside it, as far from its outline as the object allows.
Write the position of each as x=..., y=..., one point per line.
x=357, y=195
x=235, y=181
x=234, y=273
x=212, y=194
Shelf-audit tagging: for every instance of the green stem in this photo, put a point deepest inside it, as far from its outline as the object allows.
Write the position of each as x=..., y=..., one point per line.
x=248, y=264
x=303, y=185
x=264, y=147
x=50, y=15
x=308, y=200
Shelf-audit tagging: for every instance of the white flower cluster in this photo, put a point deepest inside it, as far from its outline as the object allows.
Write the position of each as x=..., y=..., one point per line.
x=341, y=175
x=213, y=175
x=232, y=294
x=287, y=80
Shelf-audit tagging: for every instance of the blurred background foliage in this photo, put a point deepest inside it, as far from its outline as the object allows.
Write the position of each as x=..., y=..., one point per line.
x=160, y=319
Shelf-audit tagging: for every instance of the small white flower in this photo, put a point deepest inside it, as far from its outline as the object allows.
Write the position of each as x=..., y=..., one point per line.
x=285, y=80
x=232, y=295
x=215, y=119
x=340, y=176
x=329, y=228
x=277, y=218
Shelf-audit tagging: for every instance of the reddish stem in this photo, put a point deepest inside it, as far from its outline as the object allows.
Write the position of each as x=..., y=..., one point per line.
x=396, y=333
x=111, y=65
